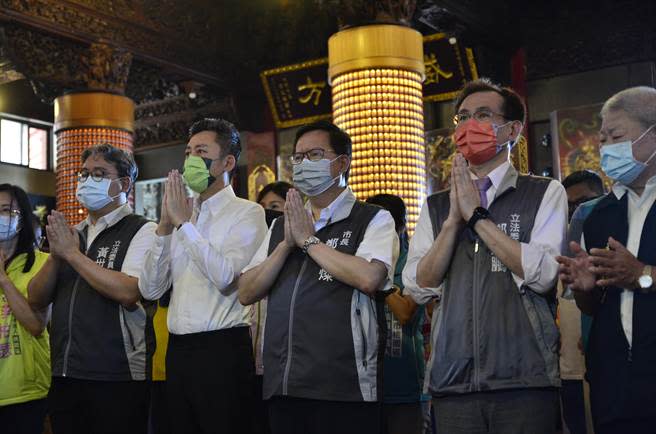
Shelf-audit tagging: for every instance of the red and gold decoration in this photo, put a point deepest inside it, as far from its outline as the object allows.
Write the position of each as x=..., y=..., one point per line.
x=575, y=141
x=376, y=73
x=83, y=120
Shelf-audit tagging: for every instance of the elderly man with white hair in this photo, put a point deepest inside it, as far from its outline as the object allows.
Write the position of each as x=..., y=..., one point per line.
x=612, y=270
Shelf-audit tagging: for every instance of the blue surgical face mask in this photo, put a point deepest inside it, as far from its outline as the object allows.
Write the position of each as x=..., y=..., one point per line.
x=9, y=226
x=94, y=195
x=618, y=163
x=313, y=177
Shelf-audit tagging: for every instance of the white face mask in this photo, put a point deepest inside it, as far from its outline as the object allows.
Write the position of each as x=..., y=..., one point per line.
x=94, y=195
x=313, y=177
x=9, y=227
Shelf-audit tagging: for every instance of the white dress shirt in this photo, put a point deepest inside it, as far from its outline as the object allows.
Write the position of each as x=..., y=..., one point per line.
x=537, y=257
x=142, y=240
x=638, y=208
x=202, y=261
x=379, y=242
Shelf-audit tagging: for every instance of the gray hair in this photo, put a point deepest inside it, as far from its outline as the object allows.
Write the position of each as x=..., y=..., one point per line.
x=639, y=103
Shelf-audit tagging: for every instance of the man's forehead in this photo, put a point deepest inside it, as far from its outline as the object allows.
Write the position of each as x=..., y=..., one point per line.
x=482, y=100
x=97, y=162
x=313, y=140
x=204, y=138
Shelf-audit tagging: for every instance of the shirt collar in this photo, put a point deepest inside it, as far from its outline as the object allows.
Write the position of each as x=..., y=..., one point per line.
x=339, y=209
x=218, y=200
x=109, y=219
x=619, y=190
x=497, y=175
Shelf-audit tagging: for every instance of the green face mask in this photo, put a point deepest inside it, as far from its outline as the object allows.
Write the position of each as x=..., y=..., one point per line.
x=196, y=173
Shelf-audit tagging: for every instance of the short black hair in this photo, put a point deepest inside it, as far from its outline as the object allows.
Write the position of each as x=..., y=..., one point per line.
x=122, y=160
x=340, y=141
x=26, y=238
x=513, y=106
x=392, y=203
x=589, y=177
x=227, y=136
x=280, y=188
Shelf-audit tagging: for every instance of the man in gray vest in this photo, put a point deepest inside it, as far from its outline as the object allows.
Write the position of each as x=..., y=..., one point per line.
x=322, y=267
x=97, y=335
x=486, y=249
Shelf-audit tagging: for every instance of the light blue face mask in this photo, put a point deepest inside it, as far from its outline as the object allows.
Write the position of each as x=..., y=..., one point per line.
x=94, y=195
x=8, y=227
x=313, y=177
x=618, y=163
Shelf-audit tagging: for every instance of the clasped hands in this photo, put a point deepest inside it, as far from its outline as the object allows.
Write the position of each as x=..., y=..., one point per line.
x=612, y=266
x=63, y=239
x=177, y=207
x=463, y=196
x=299, y=225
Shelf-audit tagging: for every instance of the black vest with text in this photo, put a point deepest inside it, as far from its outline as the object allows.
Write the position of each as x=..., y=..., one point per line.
x=319, y=341
x=93, y=337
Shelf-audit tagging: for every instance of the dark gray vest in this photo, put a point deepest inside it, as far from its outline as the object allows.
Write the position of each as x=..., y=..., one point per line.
x=309, y=349
x=93, y=337
x=493, y=335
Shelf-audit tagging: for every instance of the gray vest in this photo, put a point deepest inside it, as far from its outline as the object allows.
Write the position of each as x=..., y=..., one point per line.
x=93, y=337
x=492, y=335
x=321, y=339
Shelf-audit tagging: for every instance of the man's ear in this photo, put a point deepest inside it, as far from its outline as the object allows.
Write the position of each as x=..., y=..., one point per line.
x=517, y=128
x=230, y=163
x=126, y=184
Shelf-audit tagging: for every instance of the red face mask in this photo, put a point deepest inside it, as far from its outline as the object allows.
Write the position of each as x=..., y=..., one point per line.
x=477, y=141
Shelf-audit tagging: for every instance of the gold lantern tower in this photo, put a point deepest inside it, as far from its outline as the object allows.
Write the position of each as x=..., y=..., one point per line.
x=83, y=120
x=376, y=73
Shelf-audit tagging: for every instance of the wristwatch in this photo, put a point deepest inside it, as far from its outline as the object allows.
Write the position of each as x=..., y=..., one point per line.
x=480, y=213
x=311, y=240
x=645, y=281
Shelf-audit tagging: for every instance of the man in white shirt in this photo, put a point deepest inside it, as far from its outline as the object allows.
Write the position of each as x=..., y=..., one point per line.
x=98, y=328
x=202, y=246
x=612, y=274
x=322, y=267
x=486, y=249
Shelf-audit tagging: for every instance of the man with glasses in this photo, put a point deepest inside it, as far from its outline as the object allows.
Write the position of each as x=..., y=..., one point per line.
x=486, y=249
x=98, y=342
x=201, y=247
x=323, y=267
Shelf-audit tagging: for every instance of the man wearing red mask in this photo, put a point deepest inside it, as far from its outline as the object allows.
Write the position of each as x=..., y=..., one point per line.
x=485, y=248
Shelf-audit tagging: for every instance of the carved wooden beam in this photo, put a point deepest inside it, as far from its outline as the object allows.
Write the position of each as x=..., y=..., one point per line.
x=116, y=24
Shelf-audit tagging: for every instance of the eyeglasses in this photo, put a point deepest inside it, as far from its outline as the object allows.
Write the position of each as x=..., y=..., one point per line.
x=96, y=175
x=11, y=213
x=481, y=115
x=315, y=154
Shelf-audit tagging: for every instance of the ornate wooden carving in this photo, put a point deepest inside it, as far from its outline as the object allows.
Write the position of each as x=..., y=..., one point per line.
x=167, y=121
x=360, y=12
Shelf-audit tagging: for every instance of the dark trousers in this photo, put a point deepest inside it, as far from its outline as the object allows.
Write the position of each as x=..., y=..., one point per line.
x=527, y=411
x=308, y=416
x=573, y=400
x=260, y=412
x=407, y=418
x=98, y=407
x=209, y=382
x=23, y=418
x=158, y=420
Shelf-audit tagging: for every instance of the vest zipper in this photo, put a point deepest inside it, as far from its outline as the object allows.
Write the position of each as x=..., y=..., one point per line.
x=288, y=362
x=364, y=338
x=475, y=337
x=70, y=326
